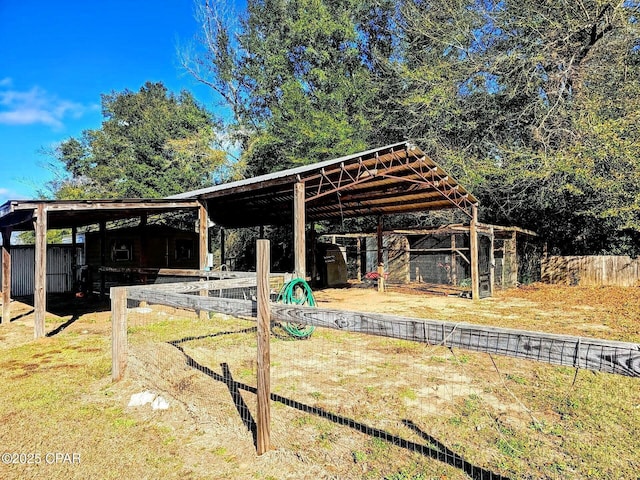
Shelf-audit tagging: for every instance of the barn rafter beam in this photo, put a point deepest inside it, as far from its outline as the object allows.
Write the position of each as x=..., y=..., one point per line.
x=396, y=166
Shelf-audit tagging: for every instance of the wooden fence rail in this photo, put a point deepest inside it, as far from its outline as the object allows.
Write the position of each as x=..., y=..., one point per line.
x=580, y=352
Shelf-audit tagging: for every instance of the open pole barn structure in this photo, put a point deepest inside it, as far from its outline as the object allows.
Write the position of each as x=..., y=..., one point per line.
x=42, y=215
x=393, y=179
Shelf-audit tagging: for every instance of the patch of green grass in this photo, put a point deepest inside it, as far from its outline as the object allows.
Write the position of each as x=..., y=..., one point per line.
x=303, y=420
x=406, y=474
x=511, y=447
x=457, y=421
x=221, y=451
x=359, y=456
x=408, y=394
x=517, y=379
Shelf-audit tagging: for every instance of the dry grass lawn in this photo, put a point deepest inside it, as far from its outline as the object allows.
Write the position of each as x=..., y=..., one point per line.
x=346, y=406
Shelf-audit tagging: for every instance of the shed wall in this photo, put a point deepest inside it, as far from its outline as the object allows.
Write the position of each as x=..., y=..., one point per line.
x=60, y=278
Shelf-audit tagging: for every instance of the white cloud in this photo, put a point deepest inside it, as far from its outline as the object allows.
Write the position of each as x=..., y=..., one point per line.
x=8, y=194
x=35, y=106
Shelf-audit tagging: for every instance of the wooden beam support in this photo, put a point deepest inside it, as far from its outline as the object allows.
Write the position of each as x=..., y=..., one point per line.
x=379, y=239
x=299, y=239
x=473, y=241
x=454, y=261
x=203, y=249
x=6, y=276
x=514, y=241
x=203, y=231
x=359, y=258
x=103, y=256
x=40, y=274
x=263, y=417
x=222, y=253
x=74, y=258
x=144, y=241
x=380, y=246
x=492, y=261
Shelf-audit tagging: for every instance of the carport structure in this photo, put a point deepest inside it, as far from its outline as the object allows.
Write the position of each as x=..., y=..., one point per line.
x=393, y=179
x=42, y=215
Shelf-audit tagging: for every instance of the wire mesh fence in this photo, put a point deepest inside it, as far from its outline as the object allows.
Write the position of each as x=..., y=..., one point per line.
x=355, y=405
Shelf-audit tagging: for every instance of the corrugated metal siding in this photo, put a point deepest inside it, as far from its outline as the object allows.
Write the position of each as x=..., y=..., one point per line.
x=22, y=267
x=59, y=271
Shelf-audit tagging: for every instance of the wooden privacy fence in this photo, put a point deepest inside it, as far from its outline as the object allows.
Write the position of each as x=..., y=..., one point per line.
x=592, y=270
x=579, y=352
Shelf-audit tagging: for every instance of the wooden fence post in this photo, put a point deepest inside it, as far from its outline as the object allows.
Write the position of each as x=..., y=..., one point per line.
x=473, y=245
x=299, y=235
x=118, y=332
x=6, y=276
x=263, y=421
x=381, y=278
x=40, y=273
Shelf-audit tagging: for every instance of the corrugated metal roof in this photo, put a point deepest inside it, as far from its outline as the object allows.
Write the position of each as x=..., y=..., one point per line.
x=397, y=178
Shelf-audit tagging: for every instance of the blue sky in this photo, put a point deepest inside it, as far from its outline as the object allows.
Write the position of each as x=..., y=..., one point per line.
x=56, y=58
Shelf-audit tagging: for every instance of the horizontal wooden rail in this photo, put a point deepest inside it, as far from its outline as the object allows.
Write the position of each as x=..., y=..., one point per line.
x=580, y=352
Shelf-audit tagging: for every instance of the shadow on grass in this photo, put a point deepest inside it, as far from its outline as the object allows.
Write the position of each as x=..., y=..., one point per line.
x=64, y=304
x=226, y=378
x=433, y=449
x=22, y=315
x=60, y=328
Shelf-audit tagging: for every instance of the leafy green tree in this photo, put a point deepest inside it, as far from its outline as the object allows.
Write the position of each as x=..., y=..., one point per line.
x=151, y=144
x=299, y=76
x=534, y=106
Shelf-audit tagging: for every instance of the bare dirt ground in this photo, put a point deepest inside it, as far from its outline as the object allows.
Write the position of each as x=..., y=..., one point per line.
x=345, y=406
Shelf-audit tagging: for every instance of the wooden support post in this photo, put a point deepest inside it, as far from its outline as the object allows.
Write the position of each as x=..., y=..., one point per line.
x=40, y=274
x=299, y=239
x=492, y=260
x=144, y=242
x=380, y=243
x=380, y=256
x=6, y=276
x=203, y=249
x=103, y=255
x=74, y=258
x=454, y=262
x=473, y=240
x=514, y=259
x=119, y=347
x=203, y=231
x=263, y=421
x=222, y=256
x=313, y=239
x=359, y=258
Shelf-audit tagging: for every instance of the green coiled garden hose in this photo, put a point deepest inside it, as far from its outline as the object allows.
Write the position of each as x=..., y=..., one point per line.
x=297, y=292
